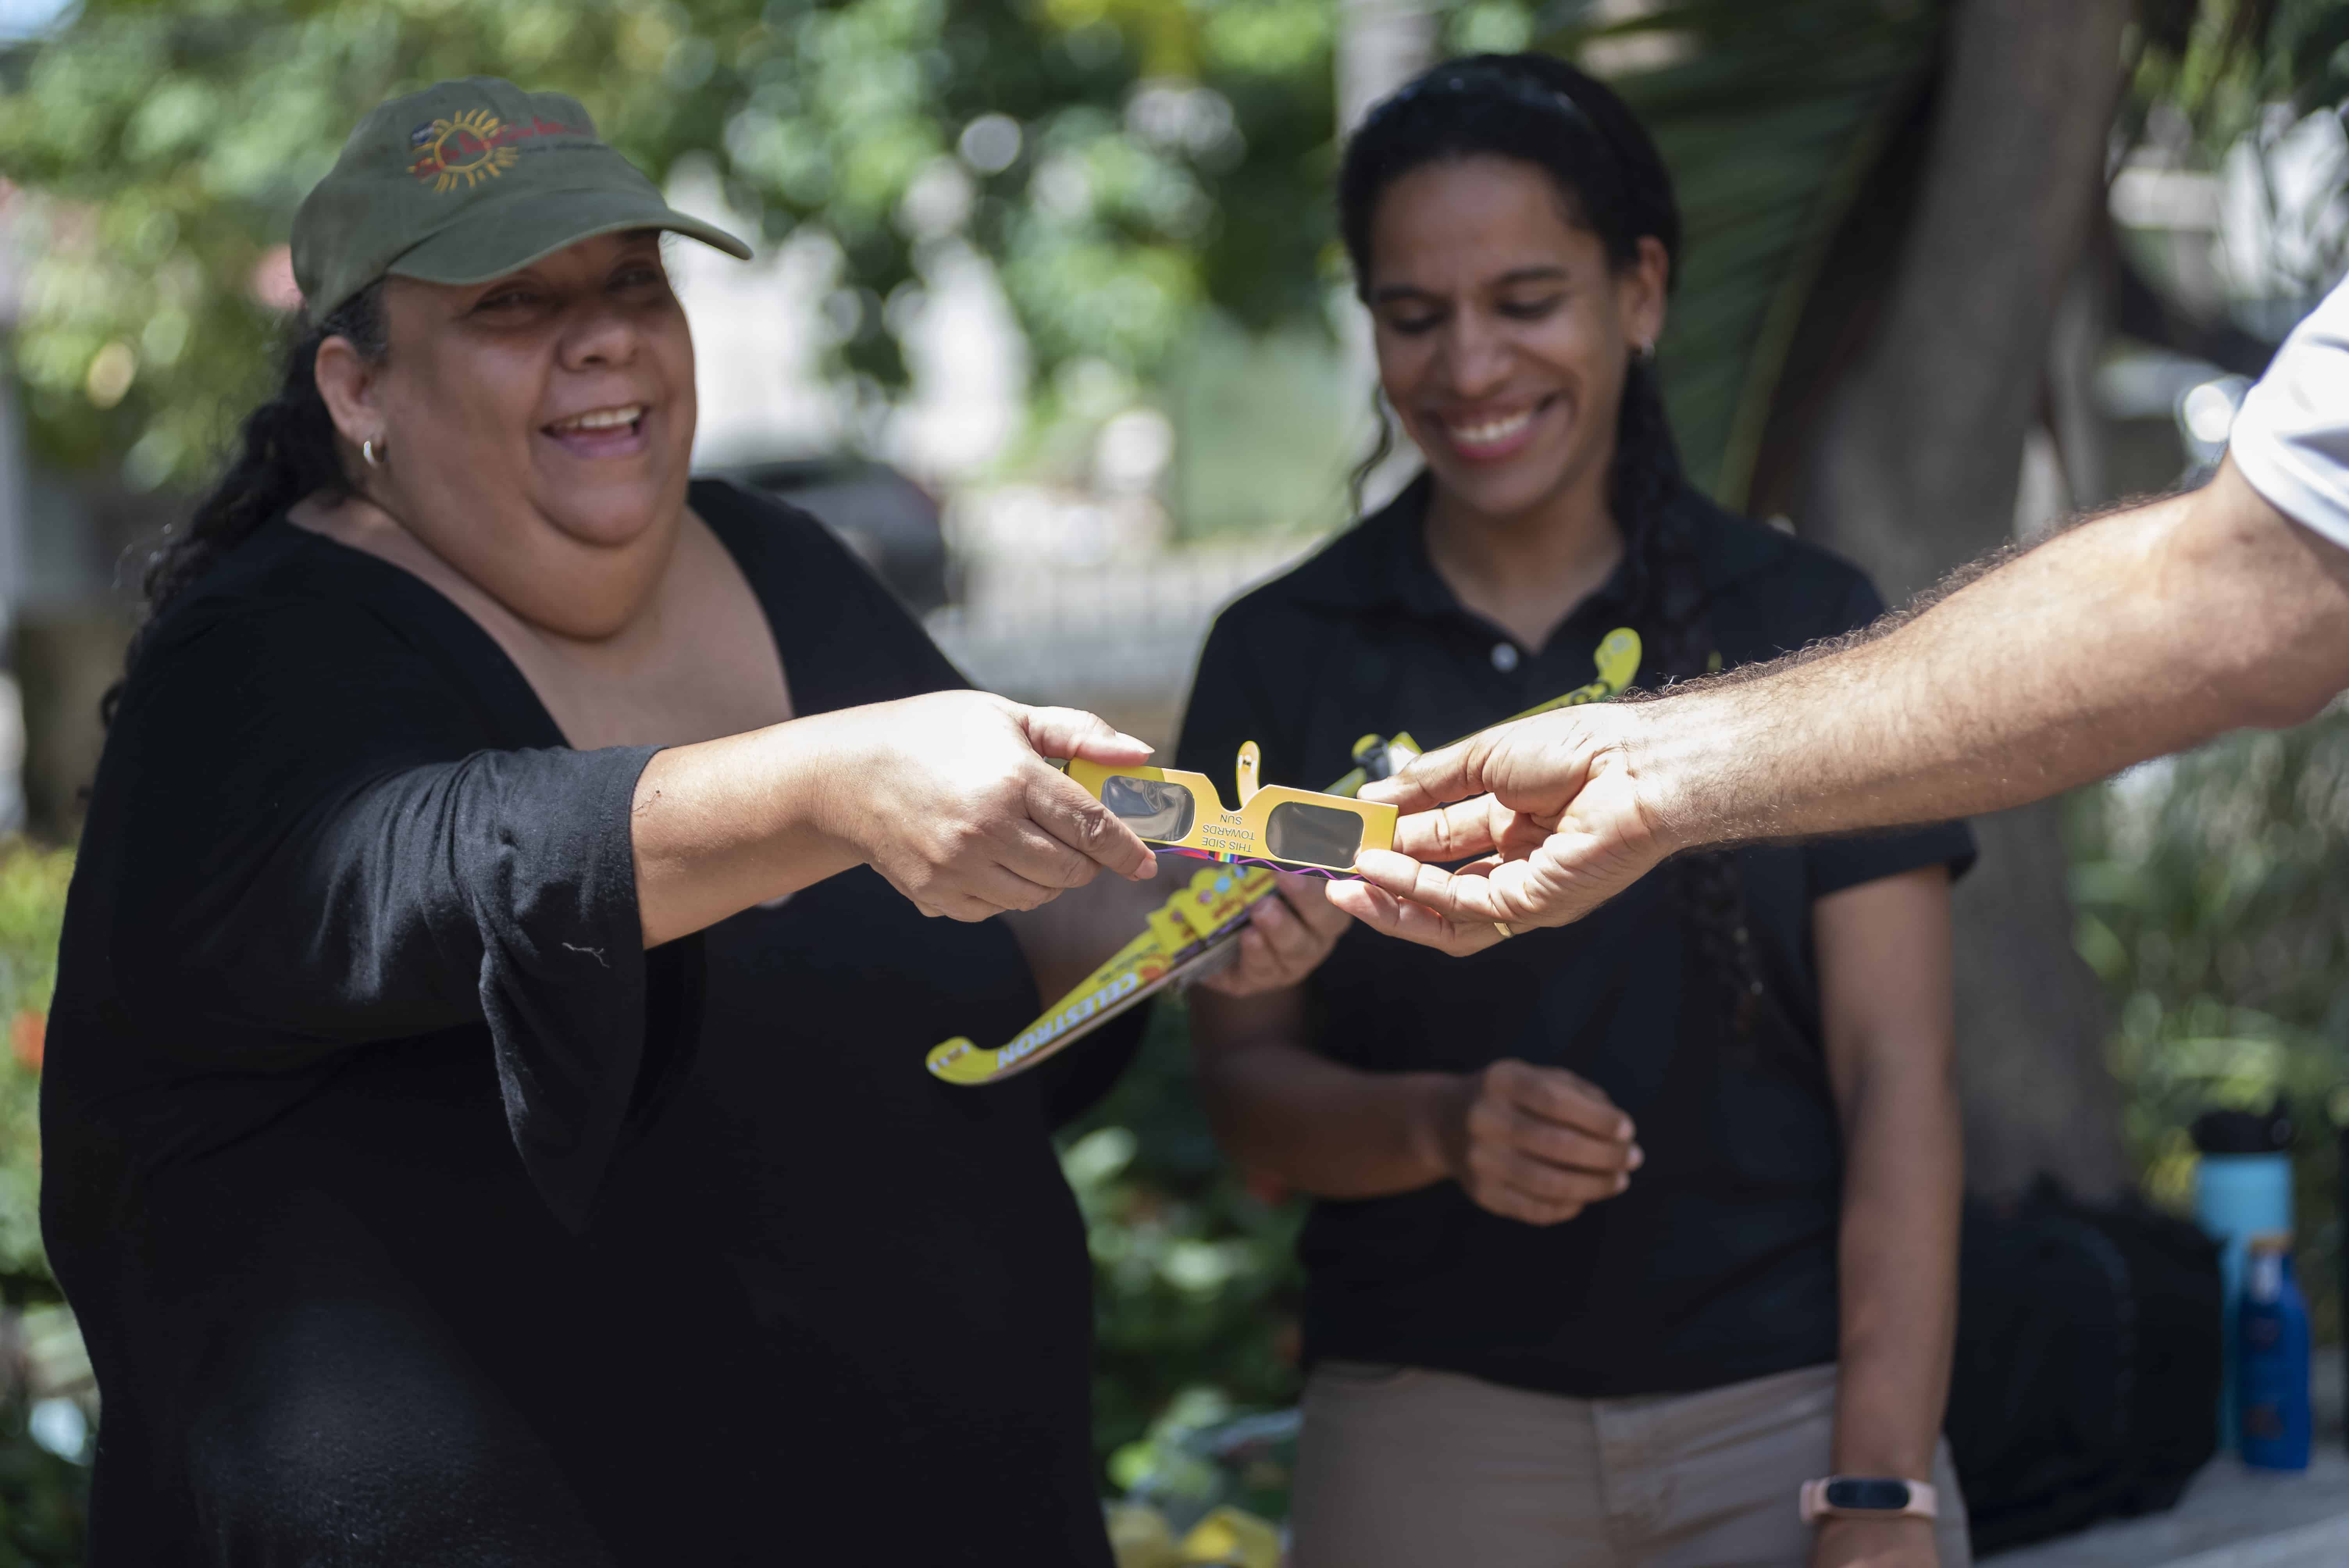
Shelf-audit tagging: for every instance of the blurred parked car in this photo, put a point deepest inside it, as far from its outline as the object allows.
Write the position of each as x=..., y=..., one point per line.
x=889, y=521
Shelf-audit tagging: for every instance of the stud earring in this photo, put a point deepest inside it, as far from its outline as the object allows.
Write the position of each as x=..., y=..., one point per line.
x=367, y=453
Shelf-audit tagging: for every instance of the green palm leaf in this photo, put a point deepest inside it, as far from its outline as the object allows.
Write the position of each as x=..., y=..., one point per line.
x=1773, y=115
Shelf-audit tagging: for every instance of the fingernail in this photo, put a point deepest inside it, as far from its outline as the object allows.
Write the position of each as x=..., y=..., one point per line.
x=1135, y=740
x=1638, y=1157
x=1621, y=1182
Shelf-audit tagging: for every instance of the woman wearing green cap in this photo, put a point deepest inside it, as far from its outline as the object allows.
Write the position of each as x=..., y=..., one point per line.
x=485, y=1119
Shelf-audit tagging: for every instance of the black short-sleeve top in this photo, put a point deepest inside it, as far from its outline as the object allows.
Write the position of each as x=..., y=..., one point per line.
x=1719, y=1264
x=415, y=1213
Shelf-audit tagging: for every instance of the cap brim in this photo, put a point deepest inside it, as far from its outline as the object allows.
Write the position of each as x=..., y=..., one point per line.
x=498, y=238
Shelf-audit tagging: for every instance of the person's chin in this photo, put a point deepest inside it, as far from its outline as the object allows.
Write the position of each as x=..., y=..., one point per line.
x=613, y=516
x=1498, y=491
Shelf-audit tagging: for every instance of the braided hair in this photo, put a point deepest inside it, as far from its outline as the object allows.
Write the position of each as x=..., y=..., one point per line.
x=1539, y=110
x=285, y=450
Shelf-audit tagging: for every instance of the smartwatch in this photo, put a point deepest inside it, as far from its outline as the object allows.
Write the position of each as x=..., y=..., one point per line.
x=1866, y=1497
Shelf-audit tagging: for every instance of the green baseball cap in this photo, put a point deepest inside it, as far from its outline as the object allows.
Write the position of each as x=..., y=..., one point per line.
x=466, y=181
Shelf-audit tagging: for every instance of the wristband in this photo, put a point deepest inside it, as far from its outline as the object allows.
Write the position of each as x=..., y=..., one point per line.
x=1866, y=1497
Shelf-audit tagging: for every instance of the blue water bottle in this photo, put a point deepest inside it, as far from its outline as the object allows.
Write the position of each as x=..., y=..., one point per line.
x=2272, y=1389
x=2242, y=1187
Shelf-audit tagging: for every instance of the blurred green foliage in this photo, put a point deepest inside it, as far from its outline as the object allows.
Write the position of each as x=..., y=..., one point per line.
x=43, y=1498
x=32, y=910
x=1134, y=170
x=1774, y=118
x=2213, y=898
x=42, y=1494
x=1129, y=166
x=2221, y=62
x=1123, y=162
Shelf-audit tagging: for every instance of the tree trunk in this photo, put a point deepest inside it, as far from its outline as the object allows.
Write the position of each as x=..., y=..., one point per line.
x=1915, y=473
x=1381, y=43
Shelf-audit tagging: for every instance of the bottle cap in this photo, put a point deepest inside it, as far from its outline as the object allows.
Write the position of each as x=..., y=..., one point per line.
x=2244, y=1131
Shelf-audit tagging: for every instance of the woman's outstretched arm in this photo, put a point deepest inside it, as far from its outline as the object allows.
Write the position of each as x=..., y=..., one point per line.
x=948, y=796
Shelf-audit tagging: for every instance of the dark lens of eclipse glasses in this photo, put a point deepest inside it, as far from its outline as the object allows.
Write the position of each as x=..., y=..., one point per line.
x=1152, y=807
x=1313, y=835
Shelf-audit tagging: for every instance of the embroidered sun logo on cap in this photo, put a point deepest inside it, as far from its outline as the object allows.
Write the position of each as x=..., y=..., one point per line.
x=472, y=146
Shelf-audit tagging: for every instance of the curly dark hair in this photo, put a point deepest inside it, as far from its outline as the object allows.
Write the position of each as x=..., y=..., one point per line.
x=1539, y=110
x=285, y=450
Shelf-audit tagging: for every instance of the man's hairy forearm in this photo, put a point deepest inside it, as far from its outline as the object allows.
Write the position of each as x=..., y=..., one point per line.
x=2130, y=636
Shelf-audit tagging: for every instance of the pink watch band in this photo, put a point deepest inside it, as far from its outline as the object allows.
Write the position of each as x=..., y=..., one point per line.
x=1867, y=1497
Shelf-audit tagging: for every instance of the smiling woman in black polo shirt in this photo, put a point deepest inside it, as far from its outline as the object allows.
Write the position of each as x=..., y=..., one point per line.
x=1627, y=1229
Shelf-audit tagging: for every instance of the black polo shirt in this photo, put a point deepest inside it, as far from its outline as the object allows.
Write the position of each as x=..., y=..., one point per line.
x=1719, y=1263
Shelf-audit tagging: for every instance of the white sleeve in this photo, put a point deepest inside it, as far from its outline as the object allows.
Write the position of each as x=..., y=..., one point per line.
x=2291, y=438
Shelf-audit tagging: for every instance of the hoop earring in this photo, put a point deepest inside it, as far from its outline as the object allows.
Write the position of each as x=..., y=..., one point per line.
x=367, y=453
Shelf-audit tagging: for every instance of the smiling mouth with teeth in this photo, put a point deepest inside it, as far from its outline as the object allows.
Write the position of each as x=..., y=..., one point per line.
x=599, y=420
x=1491, y=431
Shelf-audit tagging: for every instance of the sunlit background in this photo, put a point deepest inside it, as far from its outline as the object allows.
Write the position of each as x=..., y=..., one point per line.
x=1048, y=319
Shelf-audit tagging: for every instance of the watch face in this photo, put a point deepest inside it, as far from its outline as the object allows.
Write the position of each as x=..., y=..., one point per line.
x=1869, y=1492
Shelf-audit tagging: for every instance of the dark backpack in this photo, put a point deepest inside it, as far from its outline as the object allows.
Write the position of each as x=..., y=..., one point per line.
x=2087, y=1381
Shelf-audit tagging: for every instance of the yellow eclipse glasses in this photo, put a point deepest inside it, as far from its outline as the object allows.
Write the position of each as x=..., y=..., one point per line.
x=1275, y=825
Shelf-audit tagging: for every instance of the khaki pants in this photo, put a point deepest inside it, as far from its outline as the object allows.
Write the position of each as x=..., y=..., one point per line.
x=1405, y=1468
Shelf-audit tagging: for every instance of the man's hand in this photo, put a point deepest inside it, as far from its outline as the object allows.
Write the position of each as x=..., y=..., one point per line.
x=1548, y=812
x=1875, y=1544
x=1534, y=1143
x=1287, y=938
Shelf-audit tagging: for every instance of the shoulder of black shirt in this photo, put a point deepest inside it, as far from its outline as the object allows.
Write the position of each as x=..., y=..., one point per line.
x=1380, y=561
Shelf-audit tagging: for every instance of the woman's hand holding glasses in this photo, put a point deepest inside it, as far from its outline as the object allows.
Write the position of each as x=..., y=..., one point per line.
x=950, y=797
